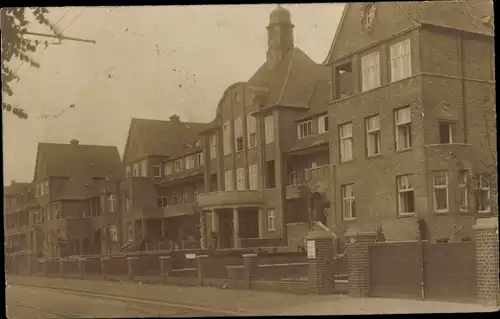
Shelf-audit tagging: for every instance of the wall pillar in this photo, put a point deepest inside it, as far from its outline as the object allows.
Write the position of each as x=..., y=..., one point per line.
x=131, y=267
x=320, y=256
x=165, y=266
x=201, y=267
x=236, y=228
x=262, y=222
x=358, y=261
x=249, y=268
x=487, y=265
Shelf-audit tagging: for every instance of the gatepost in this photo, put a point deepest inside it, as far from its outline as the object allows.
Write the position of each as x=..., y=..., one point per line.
x=81, y=267
x=487, y=266
x=104, y=267
x=249, y=268
x=320, y=251
x=131, y=267
x=61, y=267
x=201, y=265
x=165, y=266
x=358, y=261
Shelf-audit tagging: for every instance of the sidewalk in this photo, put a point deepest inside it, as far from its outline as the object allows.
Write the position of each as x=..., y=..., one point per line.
x=251, y=302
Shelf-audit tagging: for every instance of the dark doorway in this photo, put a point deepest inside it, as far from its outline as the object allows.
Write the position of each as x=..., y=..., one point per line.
x=249, y=223
x=270, y=175
x=225, y=228
x=97, y=242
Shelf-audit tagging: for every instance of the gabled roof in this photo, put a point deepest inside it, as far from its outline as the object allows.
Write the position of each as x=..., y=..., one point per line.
x=163, y=138
x=292, y=82
x=63, y=160
x=463, y=15
x=15, y=188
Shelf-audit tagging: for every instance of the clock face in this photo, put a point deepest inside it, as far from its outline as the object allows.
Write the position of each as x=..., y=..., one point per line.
x=369, y=15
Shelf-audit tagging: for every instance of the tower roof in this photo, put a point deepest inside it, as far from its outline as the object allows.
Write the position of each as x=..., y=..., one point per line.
x=280, y=15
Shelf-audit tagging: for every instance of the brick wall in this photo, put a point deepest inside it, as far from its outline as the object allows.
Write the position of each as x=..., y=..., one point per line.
x=359, y=262
x=487, y=262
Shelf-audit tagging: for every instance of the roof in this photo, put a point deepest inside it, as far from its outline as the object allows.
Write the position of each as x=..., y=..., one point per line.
x=164, y=138
x=464, y=15
x=63, y=160
x=15, y=188
x=292, y=82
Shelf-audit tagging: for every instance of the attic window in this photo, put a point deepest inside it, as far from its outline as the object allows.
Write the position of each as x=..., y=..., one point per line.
x=344, y=80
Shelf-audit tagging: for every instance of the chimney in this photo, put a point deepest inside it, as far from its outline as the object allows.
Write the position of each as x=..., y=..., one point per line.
x=175, y=118
x=74, y=141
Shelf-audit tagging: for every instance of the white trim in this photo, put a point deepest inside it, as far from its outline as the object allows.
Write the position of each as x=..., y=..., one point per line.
x=440, y=187
x=304, y=129
x=271, y=219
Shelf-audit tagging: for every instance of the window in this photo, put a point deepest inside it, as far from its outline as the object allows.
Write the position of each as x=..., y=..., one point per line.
x=483, y=194
x=128, y=171
x=251, y=130
x=348, y=202
x=240, y=179
x=236, y=97
x=269, y=128
x=238, y=134
x=101, y=204
x=136, y=170
x=185, y=195
x=323, y=124
x=130, y=232
x=304, y=129
x=157, y=170
x=406, y=195
x=190, y=162
x=403, y=128
x=199, y=159
x=446, y=132
x=370, y=71
x=161, y=198
x=271, y=219
x=400, y=60
x=346, y=142
x=168, y=168
x=213, y=146
x=440, y=185
x=111, y=203
x=144, y=168
x=178, y=165
x=113, y=233
x=372, y=135
x=47, y=187
x=227, y=138
x=228, y=180
x=463, y=190
x=253, y=175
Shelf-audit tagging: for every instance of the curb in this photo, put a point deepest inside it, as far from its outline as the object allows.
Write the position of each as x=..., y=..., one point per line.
x=117, y=297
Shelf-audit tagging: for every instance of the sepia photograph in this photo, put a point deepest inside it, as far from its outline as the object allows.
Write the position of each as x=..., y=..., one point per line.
x=250, y=159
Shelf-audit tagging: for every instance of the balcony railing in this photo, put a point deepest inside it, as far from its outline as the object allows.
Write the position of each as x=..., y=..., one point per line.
x=236, y=197
x=308, y=176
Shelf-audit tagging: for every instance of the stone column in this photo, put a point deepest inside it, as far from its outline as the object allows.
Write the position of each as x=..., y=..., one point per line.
x=487, y=266
x=81, y=267
x=165, y=266
x=131, y=267
x=249, y=268
x=104, y=267
x=358, y=261
x=320, y=256
x=236, y=228
x=201, y=267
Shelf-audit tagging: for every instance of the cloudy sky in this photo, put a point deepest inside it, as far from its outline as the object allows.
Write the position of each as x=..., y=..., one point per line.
x=148, y=62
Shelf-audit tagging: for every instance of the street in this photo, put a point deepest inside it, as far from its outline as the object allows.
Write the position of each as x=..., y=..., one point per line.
x=27, y=302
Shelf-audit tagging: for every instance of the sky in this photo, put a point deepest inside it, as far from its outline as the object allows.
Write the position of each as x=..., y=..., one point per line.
x=147, y=62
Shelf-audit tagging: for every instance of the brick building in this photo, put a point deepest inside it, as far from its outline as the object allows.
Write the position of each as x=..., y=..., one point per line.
x=257, y=150
x=412, y=129
x=71, y=206
x=163, y=163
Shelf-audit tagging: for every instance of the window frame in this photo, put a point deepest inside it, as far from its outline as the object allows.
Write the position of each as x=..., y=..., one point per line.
x=213, y=146
x=239, y=141
x=397, y=53
x=228, y=180
x=405, y=125
x=481, y=188
x=463, y=190
x=372, y=132
x=304, y=129
x=178, y=168
x=226, y=138
x=269, y=129
x=342, y=138
x=408, y=189
x=157, y=170
x=251, y=131
x=451, y=131
x=240, y=179
x=437, y=186
x=253, y=177
x=348, y=199
x=323, y=124
x=370, y=61
x=271, y=219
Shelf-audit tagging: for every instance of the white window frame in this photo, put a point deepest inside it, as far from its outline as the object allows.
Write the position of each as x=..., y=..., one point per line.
x=304, y=129
x=136, y=171
x=169, y=169
x=200, y=159
x=348, y=201
x=112, y=203
x=101, y=204
x=269, y=128
x=463, y=180
x=144, y=168
x=178, y=167
x=451, y=131
x=113, y=233
x=128, y=171
x=370, y=71
x=271, y=219
x=404, y=185
x=240, y=179
x=436, y=186
x=400, y=55
x=213, y=146
x=228, y=180
x=238, y=134
x=226, y=137
x=157, y=170
x=251, y=131
x=372, y=125
x=253, y=176
x=189, y=160
x=346, y=142
x=483, y=185
x=401, y=124
x=323, y=124
x=130, y=231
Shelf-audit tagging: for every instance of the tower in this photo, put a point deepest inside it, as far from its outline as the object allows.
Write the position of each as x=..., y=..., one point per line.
x=279, y=35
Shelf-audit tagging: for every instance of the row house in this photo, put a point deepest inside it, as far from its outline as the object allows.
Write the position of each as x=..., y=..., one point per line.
x=163, y=163
x=412, y=118
x=72, y=206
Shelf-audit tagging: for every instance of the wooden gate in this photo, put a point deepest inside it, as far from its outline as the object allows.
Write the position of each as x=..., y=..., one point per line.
x=444, y=271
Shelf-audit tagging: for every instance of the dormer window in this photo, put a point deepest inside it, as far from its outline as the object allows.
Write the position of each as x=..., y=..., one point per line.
x=305, y=129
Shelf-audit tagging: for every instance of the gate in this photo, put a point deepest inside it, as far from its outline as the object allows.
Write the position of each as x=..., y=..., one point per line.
x=438, y=271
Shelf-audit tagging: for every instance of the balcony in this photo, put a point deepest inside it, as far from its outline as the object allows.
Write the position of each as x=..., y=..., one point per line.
x=318, y=177
x=178, y=210
x=223, y=199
